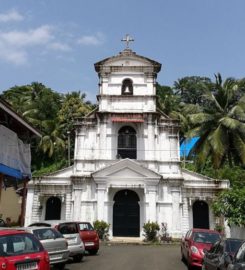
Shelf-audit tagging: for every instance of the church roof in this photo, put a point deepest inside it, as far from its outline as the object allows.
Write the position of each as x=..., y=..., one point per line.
x=128, y=54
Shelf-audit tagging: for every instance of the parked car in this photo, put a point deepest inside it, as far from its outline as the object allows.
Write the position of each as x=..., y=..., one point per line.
x=54, y=242
x=214, y=259
x=237, y=262
x=89, y=236
x=194, y=242
x=70, y=231
x=20, y=250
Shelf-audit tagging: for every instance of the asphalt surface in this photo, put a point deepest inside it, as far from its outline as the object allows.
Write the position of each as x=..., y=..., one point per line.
x=132, y=257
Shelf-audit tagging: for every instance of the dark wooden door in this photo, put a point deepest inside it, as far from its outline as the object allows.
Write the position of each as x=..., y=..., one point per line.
x=126, y=214
x=53, y=208
x=200, y=215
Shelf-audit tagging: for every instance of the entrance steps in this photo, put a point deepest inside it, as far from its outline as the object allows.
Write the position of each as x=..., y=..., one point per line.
x=126, y=240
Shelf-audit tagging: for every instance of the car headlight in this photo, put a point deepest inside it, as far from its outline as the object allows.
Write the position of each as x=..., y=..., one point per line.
x=194, y=250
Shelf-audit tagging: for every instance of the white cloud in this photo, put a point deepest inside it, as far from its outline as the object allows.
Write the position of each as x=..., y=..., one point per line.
x=12, y=15
x=16, y=46
x=57, y=46
x=95, y=40
x=40, y=35
x=12, y=55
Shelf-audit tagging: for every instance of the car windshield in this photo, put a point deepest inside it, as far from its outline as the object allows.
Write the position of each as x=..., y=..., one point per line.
x=205, y=237
x=40, y=224
x=85, y=227
x=16, y=244
x=47, y=233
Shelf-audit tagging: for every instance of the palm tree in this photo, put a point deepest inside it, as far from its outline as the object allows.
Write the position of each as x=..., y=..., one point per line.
x=220, y=124
x=53, y=141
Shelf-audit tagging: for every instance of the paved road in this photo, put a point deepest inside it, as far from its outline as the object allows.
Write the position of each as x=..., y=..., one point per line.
x=132, y=257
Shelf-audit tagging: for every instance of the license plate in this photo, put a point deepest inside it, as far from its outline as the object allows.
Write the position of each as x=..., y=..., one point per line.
x=27, y=266
x=72, y=241
x=55, y=257
x=89, y=243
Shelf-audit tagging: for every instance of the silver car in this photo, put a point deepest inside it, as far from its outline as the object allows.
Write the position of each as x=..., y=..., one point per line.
x=70, y=231
x=54, y=242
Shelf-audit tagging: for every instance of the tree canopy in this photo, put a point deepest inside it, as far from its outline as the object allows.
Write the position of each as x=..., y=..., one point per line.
x=53, y=114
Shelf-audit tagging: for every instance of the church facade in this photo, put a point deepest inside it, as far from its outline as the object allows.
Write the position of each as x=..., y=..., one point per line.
x=126, y=162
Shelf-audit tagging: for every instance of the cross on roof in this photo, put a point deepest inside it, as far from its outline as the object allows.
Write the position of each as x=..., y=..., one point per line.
x=127, y=39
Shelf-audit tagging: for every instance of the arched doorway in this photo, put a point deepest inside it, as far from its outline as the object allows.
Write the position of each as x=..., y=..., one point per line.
x=53, y=208
x=126, y=214
x=127, y=143
x=200, y=215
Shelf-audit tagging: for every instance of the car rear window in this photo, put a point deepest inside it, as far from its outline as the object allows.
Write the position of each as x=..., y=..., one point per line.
x=86, y=227
x=232, y=245
x=204, y=237
x=47, y=233
x=68, y=228
x=17, y=244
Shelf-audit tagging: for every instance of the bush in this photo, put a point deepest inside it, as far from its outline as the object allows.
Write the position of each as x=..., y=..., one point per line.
x=102, y=229
x=150, y=231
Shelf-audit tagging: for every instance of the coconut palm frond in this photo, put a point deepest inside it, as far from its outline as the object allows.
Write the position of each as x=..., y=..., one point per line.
x=239, y=145
x=203, y=153
x=229, y=123
x=199, y=118
x=59, y=142
x=218, y=141
x=191, y=109
x=237, y=112
x=194, y=132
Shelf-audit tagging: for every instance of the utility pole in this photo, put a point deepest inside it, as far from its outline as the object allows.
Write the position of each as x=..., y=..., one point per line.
x=69, y=147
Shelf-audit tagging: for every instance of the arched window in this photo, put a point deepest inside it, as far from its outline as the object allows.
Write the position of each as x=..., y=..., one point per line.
x=127, y=143
x=127, y=87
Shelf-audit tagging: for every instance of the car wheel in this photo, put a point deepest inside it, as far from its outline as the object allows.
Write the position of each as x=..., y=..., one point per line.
x=93, y=251
x=78, y=258
x=60, y=266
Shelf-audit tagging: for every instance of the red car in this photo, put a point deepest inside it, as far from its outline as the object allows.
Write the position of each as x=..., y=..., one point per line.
x=194, y=242
x=22, y=251
x=89, y=236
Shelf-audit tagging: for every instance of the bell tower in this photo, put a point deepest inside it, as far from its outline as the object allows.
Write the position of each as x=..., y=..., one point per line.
x=127, y=82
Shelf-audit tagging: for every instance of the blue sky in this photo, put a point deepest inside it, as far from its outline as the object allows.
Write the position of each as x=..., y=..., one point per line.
x=57, y=42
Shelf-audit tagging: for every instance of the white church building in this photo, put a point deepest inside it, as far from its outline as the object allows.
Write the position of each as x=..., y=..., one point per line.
x=127, y=169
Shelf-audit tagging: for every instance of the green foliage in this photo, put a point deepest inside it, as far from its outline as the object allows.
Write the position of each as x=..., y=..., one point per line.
x=167, y=101
x=231, y=205
x=49, y=168
x=53, y=114
x=219, y=228
x=219, y=124
x=150, y=231
x=191, y=89
x=102, y=229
